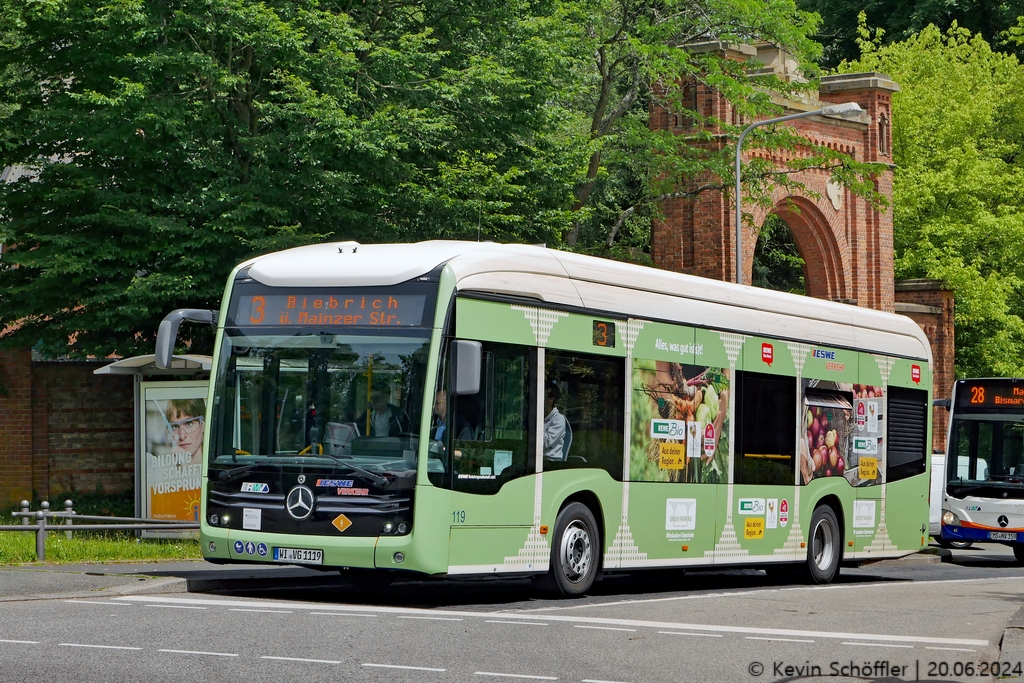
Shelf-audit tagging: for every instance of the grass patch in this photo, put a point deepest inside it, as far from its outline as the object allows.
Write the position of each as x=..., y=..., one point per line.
x=18, y=547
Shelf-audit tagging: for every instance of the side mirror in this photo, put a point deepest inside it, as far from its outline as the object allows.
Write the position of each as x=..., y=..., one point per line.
x=941, y=403
x=466, y=358
x=167, y=333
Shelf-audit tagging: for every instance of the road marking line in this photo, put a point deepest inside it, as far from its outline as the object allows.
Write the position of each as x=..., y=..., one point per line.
x=878, y=645
x=399, y=666
x=740, y=594
x=785, y=640
x=21, y=642
x=179, y=606
x=605, y=628
x=94, y=602
x=702, y=635
x=951, y=649
x=199, y=652
x=536, y=678
x=101, y=647
x=525, y=623
x=299, y=659
x=342, y=614
x=433, y=618
x=265, y=611
x=633, y=623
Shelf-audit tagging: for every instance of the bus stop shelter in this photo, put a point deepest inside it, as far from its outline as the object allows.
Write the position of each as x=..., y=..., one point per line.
x=166, y=479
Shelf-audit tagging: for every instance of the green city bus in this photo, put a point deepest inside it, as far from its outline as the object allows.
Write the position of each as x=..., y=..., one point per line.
x=468, y=409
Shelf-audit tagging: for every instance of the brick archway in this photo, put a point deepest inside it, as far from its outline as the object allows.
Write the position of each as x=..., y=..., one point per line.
x=847, y=243
x=827, y=272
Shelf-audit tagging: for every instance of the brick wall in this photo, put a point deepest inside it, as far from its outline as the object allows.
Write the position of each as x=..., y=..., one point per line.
x=931, y=306
x=83, y=429
x=15, y=427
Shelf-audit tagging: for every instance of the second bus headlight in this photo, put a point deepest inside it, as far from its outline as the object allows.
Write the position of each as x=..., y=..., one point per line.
x=950, y=519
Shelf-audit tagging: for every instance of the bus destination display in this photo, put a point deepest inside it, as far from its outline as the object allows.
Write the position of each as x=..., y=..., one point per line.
x=974, y=395
x=328, y=310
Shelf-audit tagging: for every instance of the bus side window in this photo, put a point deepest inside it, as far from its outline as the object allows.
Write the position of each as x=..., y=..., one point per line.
x=491, y=429
x=585, y=394
x=765, y=439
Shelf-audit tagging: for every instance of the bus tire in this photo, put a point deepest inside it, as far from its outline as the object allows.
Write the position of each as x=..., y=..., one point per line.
x=1018, y=552
x=575, y=552
x=824, y=546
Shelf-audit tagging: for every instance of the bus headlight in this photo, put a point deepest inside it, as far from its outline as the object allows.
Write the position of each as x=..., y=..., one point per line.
x=403, y=527
x=214, y=519
x=388, y=527
x=949, y=519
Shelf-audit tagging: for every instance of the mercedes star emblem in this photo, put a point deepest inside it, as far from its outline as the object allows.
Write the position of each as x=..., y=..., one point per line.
x=299, y=502
x=1003, y=521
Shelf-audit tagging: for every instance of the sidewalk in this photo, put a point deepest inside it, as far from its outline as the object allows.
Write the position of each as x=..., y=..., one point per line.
x=99, y=580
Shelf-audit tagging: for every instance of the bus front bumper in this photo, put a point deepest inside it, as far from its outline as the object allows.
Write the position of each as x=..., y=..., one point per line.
x=963, y=533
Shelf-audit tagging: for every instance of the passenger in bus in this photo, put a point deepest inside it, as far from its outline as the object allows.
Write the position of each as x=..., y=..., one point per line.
x=386, y=419
x=554, y=424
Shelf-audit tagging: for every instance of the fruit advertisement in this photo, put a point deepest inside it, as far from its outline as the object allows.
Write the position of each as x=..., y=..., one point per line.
x=680, y=423
x=841, y=433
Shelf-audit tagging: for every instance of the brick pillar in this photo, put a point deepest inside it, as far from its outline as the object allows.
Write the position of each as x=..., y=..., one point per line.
x=15, y=428
x=930, y=304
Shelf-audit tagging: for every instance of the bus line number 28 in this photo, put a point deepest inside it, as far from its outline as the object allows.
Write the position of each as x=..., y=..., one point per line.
x=458, y=516
x=977, y=394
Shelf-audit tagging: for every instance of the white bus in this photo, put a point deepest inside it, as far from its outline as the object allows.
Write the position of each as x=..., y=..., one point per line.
x=982, y=490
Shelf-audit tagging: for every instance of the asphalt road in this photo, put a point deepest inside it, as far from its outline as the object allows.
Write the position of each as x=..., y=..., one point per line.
x=932, y=621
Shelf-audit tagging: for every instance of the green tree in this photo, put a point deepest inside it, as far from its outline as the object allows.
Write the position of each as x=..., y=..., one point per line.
x=171, y=139
x=958, y=185
x=637, y=55
x=777, y=261
x=901, y=19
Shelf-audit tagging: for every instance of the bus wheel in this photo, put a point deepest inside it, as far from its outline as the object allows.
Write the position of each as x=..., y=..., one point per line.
x=955, y=545
x=1018, y=552
x=574, y=553
x=824, y=549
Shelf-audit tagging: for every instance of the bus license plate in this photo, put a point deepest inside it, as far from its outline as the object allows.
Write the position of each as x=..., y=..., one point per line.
x=299, y=555
x=1002, y=536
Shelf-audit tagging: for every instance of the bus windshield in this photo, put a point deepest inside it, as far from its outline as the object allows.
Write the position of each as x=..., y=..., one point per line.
x=989, y=454
x=322, y=400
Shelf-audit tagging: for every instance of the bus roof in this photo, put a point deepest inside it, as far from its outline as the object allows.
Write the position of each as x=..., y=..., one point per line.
x=559, y=278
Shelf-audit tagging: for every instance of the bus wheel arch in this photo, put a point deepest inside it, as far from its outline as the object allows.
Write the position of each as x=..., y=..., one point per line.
x=576, y=546
x=825, y=541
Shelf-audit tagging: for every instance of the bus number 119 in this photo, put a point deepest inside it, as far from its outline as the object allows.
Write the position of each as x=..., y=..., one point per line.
x=458, y=516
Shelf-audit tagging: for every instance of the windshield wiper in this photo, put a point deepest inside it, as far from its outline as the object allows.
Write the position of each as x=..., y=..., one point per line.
x=232, y=474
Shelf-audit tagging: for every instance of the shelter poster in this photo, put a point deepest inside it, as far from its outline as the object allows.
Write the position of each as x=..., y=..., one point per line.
x=173, y=424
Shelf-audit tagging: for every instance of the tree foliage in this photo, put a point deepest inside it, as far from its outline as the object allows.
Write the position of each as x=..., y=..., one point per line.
x=901, y=19
x=169, y=140
x=958, y=186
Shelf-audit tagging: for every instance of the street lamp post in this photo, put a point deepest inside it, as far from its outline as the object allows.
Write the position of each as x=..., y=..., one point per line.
x=847, y=110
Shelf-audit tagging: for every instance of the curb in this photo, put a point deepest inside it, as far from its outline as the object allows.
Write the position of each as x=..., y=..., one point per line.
x=146, y=586
x=1011, y=646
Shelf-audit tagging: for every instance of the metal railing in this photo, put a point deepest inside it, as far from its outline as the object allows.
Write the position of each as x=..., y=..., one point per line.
x=44, y=514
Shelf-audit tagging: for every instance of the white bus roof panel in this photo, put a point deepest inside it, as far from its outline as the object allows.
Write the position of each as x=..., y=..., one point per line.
x=555, y=277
